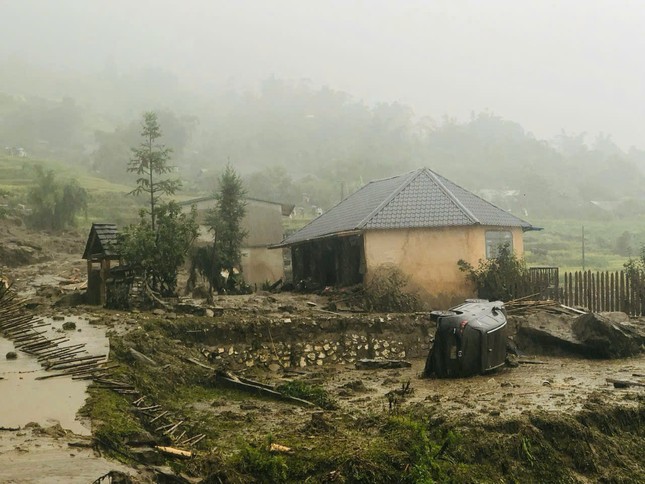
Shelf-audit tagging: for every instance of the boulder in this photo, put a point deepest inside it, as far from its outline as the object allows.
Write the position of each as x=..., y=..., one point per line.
x=606, y=337
x=548, y=334
x=593, y=335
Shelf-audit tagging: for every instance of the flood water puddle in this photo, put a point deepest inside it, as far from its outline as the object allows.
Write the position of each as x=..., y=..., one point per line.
x=55, y=400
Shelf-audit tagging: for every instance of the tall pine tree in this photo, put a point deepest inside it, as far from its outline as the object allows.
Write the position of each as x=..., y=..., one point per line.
x=219, y=262
x=151, y=160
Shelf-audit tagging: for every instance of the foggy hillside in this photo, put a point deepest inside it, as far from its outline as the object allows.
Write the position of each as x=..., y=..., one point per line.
x=311, y=100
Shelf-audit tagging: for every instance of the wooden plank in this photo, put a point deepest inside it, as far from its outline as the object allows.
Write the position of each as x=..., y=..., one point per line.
x=184, y=454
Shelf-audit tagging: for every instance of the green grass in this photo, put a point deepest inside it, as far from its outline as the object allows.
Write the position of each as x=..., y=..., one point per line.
x=108, y=201
x=560, y=243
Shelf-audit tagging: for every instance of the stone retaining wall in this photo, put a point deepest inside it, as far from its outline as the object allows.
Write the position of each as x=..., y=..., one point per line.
x=307, y=342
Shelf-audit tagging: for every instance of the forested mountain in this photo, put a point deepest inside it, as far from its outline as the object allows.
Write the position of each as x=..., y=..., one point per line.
x=309, y=145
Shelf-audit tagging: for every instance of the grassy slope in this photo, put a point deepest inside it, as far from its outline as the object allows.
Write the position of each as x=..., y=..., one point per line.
x=560, y=243
x=108, y=202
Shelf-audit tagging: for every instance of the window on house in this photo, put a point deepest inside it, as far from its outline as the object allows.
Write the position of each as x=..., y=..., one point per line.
x=496, y=239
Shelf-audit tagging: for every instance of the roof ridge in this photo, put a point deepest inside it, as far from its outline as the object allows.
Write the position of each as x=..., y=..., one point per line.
x=452, y=196
x=411, y=177
x=483, y=200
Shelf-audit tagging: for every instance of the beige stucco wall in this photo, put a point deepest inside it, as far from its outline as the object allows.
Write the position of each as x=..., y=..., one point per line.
x=263, y=223
x=429, y=258
x=260, y=265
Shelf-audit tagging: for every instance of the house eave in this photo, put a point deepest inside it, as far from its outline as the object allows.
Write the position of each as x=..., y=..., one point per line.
x=346, y=233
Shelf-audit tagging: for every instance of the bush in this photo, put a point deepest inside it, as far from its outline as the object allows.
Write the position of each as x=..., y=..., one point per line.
x=55, y=204
x=387, y=291
x=498, y=277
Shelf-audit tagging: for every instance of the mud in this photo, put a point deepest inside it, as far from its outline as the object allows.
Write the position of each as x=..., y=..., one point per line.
x=516, y=406
x=51, y=401
x=560, y=384
x=33, y=456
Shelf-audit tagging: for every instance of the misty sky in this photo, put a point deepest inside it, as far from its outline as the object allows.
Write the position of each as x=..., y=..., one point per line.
x=549, y=65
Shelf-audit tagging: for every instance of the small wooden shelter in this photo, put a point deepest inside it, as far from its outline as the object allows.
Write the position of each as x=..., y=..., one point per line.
x=100, y=251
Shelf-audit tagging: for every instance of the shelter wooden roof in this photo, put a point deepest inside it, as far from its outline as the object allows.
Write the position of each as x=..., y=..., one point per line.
x=101, y=242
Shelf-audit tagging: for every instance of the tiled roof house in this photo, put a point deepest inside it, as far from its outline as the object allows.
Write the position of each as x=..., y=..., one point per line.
x=420, y=222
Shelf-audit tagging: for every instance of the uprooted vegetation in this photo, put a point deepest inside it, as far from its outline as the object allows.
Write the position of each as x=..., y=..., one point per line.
x=387, y=290
x=254, y=438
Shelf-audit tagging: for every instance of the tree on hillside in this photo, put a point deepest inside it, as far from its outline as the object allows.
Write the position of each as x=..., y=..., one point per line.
x=55, y=204
x=149, y=161
x=157, y=246
x=219, y=262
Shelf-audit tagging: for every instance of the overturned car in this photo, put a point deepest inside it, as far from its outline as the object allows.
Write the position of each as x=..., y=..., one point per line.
x=470, y=339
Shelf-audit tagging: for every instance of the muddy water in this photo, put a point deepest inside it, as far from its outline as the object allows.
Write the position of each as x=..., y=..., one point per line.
x=24, y=399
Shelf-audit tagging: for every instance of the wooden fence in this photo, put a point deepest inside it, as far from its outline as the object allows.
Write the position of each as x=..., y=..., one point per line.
x=603, y=291
x=594, y=291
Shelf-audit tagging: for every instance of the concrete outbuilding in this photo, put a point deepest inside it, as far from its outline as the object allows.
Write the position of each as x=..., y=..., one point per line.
x=263, y=225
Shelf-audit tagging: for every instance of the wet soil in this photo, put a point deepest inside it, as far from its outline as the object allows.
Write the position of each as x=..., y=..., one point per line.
x=43, y=455
x=560, y=384
x=559, y=387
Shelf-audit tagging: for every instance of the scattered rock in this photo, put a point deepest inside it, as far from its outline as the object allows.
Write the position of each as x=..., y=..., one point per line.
x=55, y=431
x=69, y=326
x=356, y=386
x=147, y=455
x=12, y=355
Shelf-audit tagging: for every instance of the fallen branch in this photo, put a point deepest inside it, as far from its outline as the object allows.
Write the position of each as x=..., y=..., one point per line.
x=198, y=363
x=531, y=362
x=251, y=386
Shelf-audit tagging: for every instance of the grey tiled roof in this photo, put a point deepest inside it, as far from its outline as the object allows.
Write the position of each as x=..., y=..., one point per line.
x=101, y=241
x=417, y=199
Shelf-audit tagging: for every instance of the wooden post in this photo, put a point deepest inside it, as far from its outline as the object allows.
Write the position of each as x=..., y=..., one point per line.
x=594, y=291
x=621, y=293
x=575, y=289
x=105, y=267
x=633, y=283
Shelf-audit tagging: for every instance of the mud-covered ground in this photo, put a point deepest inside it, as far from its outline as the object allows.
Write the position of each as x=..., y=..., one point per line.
x=552, y=419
